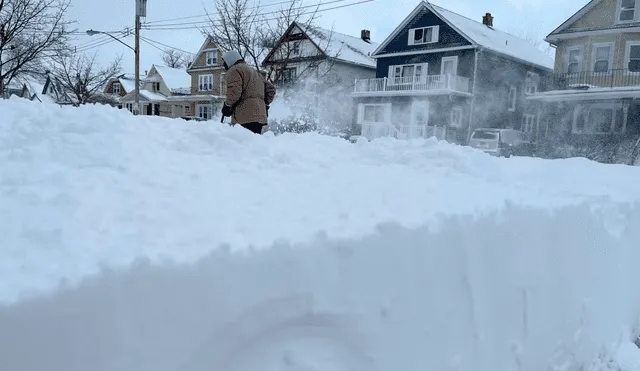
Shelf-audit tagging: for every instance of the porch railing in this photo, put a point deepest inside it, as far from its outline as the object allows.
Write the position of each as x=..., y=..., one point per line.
x=374, y=131
x=590, y=79
x=423, y=83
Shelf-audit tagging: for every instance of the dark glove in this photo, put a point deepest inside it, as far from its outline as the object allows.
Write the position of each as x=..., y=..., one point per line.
x=267, y=109
x=226, y=110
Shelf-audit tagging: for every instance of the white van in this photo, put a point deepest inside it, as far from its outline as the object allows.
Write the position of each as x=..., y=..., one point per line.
x=502, y=142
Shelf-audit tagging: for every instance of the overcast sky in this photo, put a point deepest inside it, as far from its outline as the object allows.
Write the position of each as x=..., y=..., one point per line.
x=534, y=17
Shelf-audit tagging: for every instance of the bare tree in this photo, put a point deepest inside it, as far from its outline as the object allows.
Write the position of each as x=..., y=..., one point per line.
x=240, y=26
x=175, y=59
x=534, y=38
x=30, y=30
x=80, y=76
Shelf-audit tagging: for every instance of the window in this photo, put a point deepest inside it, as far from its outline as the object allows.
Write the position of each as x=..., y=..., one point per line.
x=512, y=98
x=371, y=113
x=602, y=58
x=574, y=59
x=456, y=117
x=528, y=123
x=633, y=56
x=287, y=76
x=626, y=10
x=129, y=106
x=155, y=86
x=116, y=88
x=187, y=110
x=599, y=118
x=531, y=83
x=425, y=35
x=204, y=111
x=205, y=82
x=420, y=112
x=408, y=73
x=212, y=58
x=449, y=66
x=295, y=50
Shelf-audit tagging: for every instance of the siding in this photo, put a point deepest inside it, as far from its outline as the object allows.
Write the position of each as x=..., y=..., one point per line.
x=465, y=62
x=602, y=15
x=496, y=75
x=620, y=48
x=448, y=36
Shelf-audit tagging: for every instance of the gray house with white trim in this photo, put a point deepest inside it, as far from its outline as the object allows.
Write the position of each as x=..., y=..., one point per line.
x=442, y=74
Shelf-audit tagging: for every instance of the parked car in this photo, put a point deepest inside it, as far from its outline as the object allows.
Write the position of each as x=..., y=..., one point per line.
x=502, y=142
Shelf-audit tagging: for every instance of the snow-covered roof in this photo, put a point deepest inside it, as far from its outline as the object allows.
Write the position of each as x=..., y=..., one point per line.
x=496, y=40
x=176, y=79
x=349, y=48
x=145, y=95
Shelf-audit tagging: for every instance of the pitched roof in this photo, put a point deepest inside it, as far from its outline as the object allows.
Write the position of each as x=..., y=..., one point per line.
x=348, y=48
x=176, y=79
x=577, y=15
x=481, y=35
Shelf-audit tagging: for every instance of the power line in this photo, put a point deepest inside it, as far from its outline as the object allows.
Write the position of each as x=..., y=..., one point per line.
x=208, y=21
x=257, y=21
x=207, y=15
x=144, y=39
x=165, y=45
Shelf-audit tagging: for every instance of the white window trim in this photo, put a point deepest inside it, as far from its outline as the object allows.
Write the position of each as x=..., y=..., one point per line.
x=435, y=35
x=206, y=59
x=512, y=98
x=612, y=50
x=528, y=83
x=455, y=64
x=533, y=125
x=392, y=68
x=580, y=50
x=387, y=113
x=115, y=84
x=588, y=107
x=187, y=110
x=636, y=16
x=452, y=123
x=627, y=57
x=210, y=109
x=209, y=82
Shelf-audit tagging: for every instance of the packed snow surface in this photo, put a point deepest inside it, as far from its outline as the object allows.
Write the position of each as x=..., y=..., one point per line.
x=144, y=243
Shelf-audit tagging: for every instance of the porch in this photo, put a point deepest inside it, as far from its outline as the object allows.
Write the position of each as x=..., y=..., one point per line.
x=419, y=85
x=374, y=131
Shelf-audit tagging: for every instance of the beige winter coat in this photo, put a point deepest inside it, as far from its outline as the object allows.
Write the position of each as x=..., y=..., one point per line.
x=250, y=92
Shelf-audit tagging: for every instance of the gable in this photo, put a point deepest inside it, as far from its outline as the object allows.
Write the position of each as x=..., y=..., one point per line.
x=200, y=60
x=602, y=14
x=294, y=38
x=422, y=16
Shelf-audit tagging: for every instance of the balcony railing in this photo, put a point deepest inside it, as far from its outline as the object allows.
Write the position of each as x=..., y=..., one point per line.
x=411, y=84
x=590, y=79
x=373, y=131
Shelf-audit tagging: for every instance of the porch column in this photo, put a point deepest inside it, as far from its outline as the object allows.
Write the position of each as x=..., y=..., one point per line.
x=173, y=110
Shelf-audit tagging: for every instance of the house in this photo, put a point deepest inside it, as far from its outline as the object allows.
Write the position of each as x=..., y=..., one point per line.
x=208, y=86
x=40, y=88
x=442, y=74
x=162, y=92
x=120, y=86
x=592, y=100
x=323, y=63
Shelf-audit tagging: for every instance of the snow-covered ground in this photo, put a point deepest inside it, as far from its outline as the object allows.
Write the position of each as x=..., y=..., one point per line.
x=143, y=243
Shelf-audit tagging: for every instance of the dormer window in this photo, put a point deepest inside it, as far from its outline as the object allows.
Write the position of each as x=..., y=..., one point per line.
x=626, y=10
x=424, y=35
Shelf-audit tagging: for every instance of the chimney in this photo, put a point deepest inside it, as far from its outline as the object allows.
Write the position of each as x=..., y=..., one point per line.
x=365, y=35
x=487, y=20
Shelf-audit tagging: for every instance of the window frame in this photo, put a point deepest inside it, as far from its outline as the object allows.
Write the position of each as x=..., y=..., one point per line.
x=113, y=88
x=435, y=35
x=209, y=83
x=567, y=63
x=452, y=123
x=513, y=95
x=627, y=56
x=215, y=58
x=594, y=48
x=619, y=11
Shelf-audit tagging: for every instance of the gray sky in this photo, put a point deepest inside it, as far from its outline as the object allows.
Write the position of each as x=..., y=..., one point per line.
x=534, y=17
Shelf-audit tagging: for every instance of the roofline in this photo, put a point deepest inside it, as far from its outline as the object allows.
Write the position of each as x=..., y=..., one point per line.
x=408, y=18
x=278, y=43
x=552, y=39
x=197, y=55
x=577, y=15
x=520, y=60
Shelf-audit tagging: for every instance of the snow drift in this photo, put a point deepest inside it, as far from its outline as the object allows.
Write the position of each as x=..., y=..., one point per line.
x=156, y=244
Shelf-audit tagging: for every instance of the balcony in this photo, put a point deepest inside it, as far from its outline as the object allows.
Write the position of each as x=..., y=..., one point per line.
x=424, y=85
x=374, y=131
x=622, y=78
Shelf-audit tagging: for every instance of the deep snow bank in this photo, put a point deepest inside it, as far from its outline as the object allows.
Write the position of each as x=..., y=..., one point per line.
x=460, y=283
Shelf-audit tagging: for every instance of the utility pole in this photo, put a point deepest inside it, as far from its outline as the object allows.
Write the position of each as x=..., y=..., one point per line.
x=1, y=47
x=141, y=11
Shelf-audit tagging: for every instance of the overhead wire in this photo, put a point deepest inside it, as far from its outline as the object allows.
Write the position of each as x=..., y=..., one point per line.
x=146, y=26
x=165, y=45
